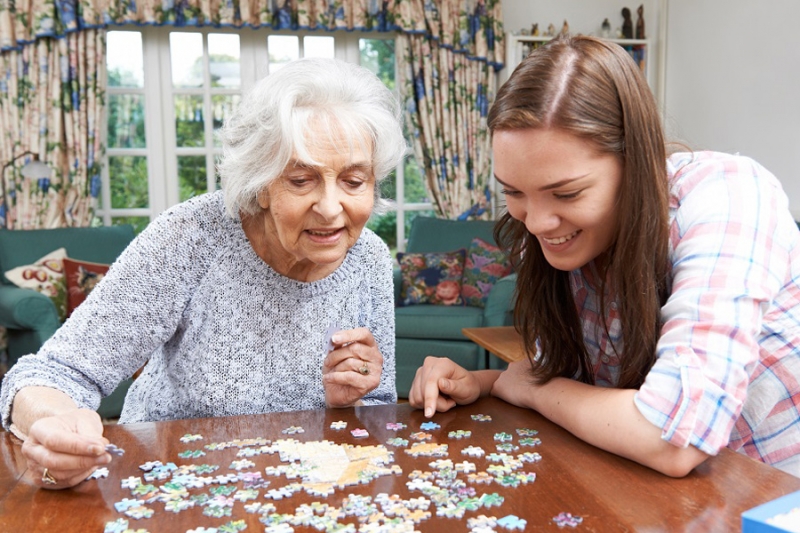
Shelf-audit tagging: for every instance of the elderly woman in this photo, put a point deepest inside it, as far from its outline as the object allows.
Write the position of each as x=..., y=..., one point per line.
x=269, y=295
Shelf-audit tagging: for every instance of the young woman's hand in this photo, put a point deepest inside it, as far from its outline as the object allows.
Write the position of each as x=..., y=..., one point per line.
x=64, y=450
x=440, y=384
x=515, y=385
x=352, y=369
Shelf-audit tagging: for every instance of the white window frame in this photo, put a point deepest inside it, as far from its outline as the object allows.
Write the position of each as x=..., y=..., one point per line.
x=161, y=153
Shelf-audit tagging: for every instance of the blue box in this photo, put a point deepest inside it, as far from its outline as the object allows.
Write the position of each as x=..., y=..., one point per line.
x=755, y=519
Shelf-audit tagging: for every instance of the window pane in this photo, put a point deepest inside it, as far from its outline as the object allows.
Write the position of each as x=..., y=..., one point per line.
x=378, y=56
x=189, y=121
x=282, y=49
x=126, y=121
x=223, y=107
x=413, y=182
x=386, y=227
x=139, y=223
x=186, y=58
x=192, y=176
x=128, y=181
x=124, y=59
x=317, y=46
x=224, y=60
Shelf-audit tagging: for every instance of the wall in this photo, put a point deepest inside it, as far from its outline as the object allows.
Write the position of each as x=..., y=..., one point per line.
x=731, y=71
x=733, y=81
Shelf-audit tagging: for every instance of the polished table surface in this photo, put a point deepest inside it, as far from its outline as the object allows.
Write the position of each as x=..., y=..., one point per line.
x=503, y=341
x=608, y=492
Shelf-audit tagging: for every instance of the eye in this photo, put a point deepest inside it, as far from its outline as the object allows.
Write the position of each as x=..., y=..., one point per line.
x=510, y=192
x=566, y=196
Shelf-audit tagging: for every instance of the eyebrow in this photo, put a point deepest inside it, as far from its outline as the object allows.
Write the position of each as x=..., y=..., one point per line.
x=354, y=166
x=549, y=186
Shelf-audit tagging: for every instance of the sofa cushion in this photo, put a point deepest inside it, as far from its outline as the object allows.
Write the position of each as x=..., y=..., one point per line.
x=483, y=266
x=45, y=275
x=436, y=321
x=81, y=278
x=431, y=278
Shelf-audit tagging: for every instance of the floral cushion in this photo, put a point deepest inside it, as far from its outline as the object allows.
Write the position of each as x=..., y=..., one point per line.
x=431, y=278
x=484, y=264
x=46, y=276
x=82, y=277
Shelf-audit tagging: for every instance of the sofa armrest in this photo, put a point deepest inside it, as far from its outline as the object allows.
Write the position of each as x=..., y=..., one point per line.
x=27, y=309
x=500, y=303
x=398, y=281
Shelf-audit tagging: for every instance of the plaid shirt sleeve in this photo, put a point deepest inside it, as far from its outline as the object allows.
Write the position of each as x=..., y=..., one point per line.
x=732, y=240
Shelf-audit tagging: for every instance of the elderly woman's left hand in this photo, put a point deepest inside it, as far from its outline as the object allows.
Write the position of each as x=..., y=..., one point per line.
x=352, y=369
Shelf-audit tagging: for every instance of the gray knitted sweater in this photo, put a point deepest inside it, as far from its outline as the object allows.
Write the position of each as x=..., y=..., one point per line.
x=221, y=332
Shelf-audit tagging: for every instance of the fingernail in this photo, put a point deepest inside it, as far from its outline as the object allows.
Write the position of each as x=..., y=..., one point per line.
x=96, y=450
x=428, y=412
x=336, y=339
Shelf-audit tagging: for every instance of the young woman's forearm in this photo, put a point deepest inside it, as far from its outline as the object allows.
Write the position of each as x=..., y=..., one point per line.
x=608, y=418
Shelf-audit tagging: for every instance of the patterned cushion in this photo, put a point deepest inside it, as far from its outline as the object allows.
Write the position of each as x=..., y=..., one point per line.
x=431, y=278
x=484, y=265
x=46, y=275
x=82, y=277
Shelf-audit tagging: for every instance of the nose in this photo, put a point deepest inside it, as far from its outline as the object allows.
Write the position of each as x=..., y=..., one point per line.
x=540, y=220
x=329, y=202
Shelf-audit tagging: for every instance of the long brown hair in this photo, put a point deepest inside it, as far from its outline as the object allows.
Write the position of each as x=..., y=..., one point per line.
x=592, y=89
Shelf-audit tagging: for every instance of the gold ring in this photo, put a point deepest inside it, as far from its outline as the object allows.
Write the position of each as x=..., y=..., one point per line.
x=47, y=478
x=364, y=370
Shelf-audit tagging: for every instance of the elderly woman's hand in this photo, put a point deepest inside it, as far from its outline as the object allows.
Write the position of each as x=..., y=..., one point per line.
x=64, y=450
x=352, y=369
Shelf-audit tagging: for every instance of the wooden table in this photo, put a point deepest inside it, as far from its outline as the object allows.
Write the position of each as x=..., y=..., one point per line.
x=608, y=492
x=503, y=341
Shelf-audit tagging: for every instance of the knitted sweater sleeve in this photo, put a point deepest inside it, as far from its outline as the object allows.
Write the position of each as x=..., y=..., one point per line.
x=381, y=323
x=132, y=311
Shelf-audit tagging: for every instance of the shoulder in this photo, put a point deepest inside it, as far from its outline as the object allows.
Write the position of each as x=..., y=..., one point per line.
x=699, y=172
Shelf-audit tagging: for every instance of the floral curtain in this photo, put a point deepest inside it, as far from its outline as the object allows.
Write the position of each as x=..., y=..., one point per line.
x=447, y=84
x=51, y=104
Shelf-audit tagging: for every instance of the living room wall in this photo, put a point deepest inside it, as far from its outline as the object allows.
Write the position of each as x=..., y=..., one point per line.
x=731, y=71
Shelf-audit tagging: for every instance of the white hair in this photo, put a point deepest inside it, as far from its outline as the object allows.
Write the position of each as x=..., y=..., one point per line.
x=344, y=101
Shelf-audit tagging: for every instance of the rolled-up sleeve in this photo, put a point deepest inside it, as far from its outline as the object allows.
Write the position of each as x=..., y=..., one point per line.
x=731, y=236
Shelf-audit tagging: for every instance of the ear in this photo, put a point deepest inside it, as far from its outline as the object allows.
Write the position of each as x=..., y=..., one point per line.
x=263, y=198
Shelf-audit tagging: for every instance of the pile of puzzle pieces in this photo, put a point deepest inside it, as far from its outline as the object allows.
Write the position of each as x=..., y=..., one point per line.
x=319, y=468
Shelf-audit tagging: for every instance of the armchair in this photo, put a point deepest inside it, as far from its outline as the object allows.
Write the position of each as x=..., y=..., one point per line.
x=30, y=317
x=423, y=330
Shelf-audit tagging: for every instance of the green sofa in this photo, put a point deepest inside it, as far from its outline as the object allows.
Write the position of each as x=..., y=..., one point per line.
x=423, y=330
x=30, y=317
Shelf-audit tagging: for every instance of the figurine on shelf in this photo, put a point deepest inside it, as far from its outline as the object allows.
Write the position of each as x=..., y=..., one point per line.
x=535, y=29
x=605, y=29
x=640, y=23
x=551, y=30
x=524, y=31
x=565, y=27
x=627, y=24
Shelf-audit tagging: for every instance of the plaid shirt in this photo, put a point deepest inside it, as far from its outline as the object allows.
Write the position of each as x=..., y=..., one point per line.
x=728, y=362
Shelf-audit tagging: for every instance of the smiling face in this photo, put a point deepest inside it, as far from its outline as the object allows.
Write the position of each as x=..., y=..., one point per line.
x=563, y=190
x=315, y=210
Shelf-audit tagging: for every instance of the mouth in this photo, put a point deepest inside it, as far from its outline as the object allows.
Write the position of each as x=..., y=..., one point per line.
x=561, y=240
x=324, y=233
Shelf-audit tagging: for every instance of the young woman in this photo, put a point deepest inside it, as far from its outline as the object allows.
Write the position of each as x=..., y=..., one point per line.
x=657, y=296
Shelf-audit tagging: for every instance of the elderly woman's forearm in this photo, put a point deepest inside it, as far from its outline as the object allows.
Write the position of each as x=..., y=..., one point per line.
x=32, y=403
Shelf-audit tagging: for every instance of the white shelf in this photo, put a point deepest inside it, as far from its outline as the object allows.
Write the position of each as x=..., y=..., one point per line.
x=515, y=44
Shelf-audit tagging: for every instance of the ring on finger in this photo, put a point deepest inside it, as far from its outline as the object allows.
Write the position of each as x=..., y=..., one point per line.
x=47, y=478
x=364, y=370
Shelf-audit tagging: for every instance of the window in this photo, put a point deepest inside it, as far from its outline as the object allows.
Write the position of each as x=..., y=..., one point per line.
x=169, y=92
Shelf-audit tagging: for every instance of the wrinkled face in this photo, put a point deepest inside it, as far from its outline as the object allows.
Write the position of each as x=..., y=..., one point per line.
x=315, y=210
x=562, y=189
